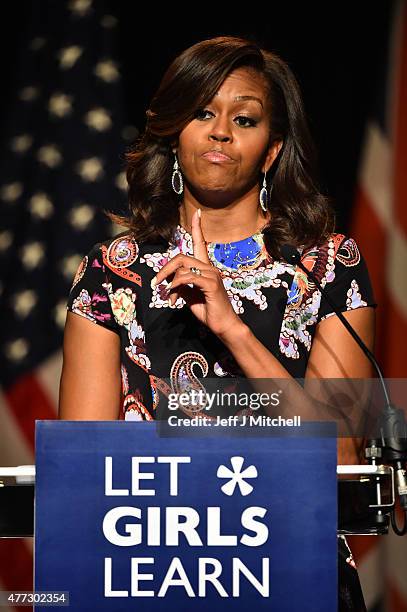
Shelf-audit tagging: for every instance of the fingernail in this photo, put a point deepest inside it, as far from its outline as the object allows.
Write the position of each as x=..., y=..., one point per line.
x=153, y=282
x=199, y=212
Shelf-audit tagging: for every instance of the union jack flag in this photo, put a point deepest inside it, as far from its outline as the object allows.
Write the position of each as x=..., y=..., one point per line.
x=380, y=227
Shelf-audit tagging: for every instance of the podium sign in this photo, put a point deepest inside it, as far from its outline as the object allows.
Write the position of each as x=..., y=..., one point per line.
x=143, y=516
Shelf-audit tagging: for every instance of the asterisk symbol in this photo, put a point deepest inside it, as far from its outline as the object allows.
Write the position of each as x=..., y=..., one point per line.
x=236, y=476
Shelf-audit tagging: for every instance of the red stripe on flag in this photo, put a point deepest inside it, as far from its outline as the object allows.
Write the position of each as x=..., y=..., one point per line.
x=361, y=546
x=29, y=402
x=372, y=238
x=391, y=325
x=400, y=128
x=395, y=601
x=16, y=566
x=392, y=333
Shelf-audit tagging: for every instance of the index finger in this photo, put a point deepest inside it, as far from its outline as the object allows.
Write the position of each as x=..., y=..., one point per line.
x=198, y=240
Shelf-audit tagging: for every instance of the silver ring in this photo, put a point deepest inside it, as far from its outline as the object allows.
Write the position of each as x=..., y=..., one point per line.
x=196, y=271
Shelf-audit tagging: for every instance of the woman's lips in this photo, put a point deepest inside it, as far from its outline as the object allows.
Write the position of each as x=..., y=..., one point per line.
x=216, y=156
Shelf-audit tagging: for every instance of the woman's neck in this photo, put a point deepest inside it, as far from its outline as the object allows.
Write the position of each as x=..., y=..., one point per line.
x=224, y=225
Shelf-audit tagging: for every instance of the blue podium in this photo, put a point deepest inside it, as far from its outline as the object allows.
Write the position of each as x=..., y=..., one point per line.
x=143, y=516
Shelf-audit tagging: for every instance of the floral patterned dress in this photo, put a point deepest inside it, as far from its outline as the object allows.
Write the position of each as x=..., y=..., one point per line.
x=165, y=349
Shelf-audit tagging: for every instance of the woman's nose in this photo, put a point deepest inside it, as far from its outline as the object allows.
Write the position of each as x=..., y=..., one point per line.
x=220, y=131
x=219, y=137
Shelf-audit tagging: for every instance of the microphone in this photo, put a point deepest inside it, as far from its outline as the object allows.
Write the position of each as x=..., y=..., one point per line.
x=393, y=427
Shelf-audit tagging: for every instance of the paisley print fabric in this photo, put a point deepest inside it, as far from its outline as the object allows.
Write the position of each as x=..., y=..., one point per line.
x=166, y=350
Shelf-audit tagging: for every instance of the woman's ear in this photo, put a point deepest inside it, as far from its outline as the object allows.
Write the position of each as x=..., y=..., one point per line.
x=273, y=150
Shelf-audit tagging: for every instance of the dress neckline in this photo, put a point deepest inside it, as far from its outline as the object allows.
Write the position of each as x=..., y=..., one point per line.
x=240, y=255
x=259, y=233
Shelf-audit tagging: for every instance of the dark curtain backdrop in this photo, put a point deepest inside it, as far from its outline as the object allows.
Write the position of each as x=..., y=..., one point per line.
x=336, y=49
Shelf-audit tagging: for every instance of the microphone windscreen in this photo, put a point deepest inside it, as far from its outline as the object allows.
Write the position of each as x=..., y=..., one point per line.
x=290, y=254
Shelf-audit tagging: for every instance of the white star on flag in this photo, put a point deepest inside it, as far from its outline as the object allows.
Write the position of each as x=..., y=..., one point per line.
x=27, y=94
x=68, y=56
x=60, y=314
x=80, y=216
x=49, y=155
x=41, y=206
x=69, y=265
x=21, y=144
x=107, y=71
x=90, y=169
x=32, y=254
x=6, y=239
x=98, y=119
x=17, y=349
x=60, y=105
x=80, y=7
x=24, y=302
x=121, y=181
x=11, y=192
x=236, y=476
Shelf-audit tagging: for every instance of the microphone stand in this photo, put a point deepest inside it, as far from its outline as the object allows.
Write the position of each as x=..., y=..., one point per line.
x=392, y=445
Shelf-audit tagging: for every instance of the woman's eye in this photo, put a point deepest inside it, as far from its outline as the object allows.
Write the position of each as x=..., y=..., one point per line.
x=242, y=121
x=201, y=114
x=246, y=121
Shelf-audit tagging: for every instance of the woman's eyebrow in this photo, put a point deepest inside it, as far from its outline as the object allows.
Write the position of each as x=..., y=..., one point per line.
x=240, y=98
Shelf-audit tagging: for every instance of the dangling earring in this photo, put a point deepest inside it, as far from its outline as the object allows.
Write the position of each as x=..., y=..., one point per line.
x=177, y=182
x=263, y=195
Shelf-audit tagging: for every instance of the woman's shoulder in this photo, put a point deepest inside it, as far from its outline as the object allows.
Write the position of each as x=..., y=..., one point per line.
x=336, y=248
x=335, y=259
x=119, y=251
x=344, y=274
x=116, y=254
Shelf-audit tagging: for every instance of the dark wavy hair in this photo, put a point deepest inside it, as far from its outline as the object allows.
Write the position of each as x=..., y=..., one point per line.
x=300, y=214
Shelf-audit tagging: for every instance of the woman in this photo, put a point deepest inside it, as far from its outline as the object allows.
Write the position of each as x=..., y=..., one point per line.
x=196, y=287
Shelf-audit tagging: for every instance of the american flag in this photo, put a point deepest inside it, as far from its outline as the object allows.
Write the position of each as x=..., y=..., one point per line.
x=61, y=166
x=380, y=227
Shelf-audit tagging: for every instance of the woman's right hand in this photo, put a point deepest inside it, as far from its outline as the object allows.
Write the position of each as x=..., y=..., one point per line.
x=207, y=299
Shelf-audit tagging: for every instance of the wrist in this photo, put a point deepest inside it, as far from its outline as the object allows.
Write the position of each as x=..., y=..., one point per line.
x=235, y=333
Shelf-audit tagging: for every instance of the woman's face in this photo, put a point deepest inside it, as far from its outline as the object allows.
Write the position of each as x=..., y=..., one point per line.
x=226, y=146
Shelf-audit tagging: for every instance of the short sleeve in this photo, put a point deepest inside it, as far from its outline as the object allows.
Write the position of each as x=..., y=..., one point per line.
x=88, y=296
x=348, y=283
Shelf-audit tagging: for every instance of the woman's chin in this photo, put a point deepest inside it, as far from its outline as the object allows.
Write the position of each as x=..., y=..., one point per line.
x=215, y=196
